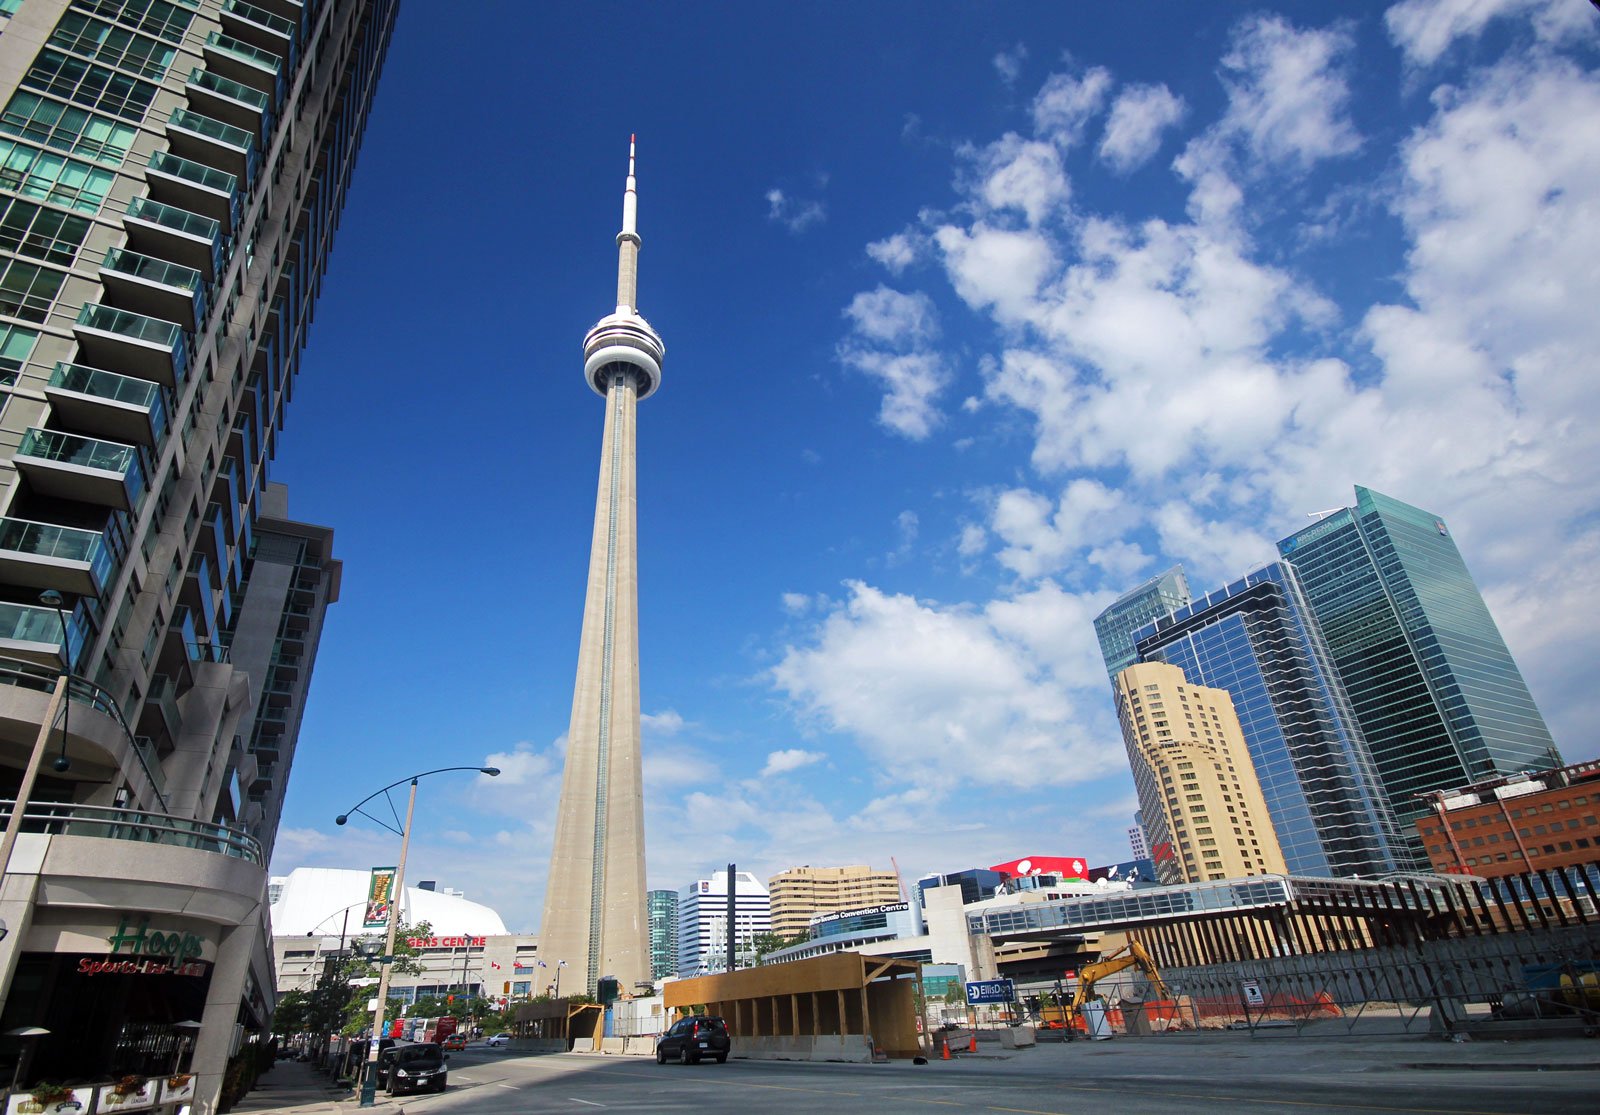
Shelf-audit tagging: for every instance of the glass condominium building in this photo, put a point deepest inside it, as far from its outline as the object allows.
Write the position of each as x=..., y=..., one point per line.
x=1160, y=596
x=171, y=177
x=1436, y=692
x=1255, y=639
x=662, y=909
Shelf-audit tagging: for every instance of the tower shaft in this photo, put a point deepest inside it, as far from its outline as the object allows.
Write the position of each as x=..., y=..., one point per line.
x=595, y=918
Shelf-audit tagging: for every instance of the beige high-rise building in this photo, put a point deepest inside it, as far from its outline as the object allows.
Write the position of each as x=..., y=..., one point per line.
x=801, y=893
x=1195, y=778
x=595, y=923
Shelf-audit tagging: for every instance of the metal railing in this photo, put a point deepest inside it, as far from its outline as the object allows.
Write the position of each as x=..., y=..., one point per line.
x=42, y=679
x=111, y=823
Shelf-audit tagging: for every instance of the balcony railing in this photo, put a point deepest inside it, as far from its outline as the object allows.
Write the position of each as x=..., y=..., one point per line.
x=153, y=330
x=212, y=129
x=275, y=23
x=234, y=90
x=101, y=384
x=85, y=452
x=23, y=536
x=255, y=56
x=198, y=174
x=43, y=679
x=178, y=220
x=111, y=823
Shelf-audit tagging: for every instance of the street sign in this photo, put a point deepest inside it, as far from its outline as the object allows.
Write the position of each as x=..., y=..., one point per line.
x=991, y=991
x=1252, y=993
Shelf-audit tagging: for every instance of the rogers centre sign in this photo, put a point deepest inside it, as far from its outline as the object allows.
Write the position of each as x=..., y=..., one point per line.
x=446, y=942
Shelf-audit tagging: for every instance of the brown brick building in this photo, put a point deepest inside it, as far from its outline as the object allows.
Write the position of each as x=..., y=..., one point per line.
x=1510, y=825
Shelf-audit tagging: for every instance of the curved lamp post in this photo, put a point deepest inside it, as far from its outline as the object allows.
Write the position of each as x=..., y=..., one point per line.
x=369, y=1082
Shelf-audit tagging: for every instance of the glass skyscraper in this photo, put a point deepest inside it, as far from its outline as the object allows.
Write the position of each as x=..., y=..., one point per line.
x=662, y=906
x=1255, y=639
x=1435, y=690
x=1161, y=595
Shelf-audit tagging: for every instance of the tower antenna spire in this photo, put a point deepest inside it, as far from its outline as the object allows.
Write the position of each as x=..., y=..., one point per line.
x=628, y=241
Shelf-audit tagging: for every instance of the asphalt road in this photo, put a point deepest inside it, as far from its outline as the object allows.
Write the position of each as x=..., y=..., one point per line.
x=489, y=1082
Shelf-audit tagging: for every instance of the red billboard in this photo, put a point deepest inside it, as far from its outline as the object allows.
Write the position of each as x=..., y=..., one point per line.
x=1063, y=867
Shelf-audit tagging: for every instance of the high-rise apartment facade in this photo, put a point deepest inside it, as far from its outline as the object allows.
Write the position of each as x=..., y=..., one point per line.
x=1193, y=771
x=594, y=902
x=1161, y=595
x=801, y=893
x=1256, y=639
x=663, y=908
x=171, y=174
x=703, y=922
x=1432, y=684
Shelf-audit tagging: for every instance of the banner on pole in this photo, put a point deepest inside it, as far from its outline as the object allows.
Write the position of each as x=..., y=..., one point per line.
x=380, y=894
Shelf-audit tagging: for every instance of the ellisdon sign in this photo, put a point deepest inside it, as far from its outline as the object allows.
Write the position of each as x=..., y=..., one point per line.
x=158, y=953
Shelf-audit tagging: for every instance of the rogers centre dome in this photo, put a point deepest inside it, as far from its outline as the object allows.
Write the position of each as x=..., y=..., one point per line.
x=313, y=901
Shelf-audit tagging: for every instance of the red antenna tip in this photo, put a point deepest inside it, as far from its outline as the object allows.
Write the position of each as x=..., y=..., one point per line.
x=633, y=139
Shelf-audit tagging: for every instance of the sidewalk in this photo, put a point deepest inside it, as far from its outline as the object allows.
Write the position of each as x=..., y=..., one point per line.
x=294, y=1086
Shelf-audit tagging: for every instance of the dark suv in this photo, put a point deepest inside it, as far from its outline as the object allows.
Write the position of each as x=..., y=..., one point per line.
x=419, y=1067
x=693, y=1038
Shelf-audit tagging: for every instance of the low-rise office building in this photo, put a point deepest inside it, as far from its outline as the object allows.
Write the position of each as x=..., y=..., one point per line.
x=1506, y=826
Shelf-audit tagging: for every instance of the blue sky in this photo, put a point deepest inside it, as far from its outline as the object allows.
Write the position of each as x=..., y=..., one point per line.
x=975, y=316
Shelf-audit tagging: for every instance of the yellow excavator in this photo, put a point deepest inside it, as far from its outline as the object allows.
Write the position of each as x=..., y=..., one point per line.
x=1131, y=955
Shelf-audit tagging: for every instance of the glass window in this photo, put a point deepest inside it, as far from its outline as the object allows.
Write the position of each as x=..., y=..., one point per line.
x=114, y=46
x=155, y=17
x=27, y=289
x=84, y=83
x=69, y=129
x=41, y=233
x=16, y=343
x=50, y=177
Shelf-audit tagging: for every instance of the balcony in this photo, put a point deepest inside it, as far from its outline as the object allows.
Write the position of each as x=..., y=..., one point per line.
x=163, y=695
x=44, y=555
x=175, y=234
x=233, y=58
x=195, y=187
x=100, y=741
x=259, y=27
x=111, y=823
x=154, y=287
x=147, y=347
x=230, y=101
x=212, y=142
x=33, y=632
x=104, y=403
x=68, y=466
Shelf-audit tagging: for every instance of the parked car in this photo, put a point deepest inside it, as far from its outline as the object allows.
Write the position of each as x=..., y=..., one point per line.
x=497, y=1040
x=692, y=1038
x=455, y=1042
x=419, y=1067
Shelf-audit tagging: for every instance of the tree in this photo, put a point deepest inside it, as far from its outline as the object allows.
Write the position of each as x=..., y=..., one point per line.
x=765, y=943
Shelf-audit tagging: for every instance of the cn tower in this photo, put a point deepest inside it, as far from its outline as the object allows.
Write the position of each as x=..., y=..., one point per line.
x=594, y=905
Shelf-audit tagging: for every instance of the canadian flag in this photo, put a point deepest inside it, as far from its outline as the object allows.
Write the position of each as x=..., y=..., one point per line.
x=492, y=964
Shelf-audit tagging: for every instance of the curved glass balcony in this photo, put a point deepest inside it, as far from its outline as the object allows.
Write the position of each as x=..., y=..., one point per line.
x=69, y=466
x=111, y=823
x=123, y=408
x=147, y=346
x=48, y=555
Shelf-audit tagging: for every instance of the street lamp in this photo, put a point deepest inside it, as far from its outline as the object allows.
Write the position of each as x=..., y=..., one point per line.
x=50, y=598
x=369, y=1082
x=560, y=964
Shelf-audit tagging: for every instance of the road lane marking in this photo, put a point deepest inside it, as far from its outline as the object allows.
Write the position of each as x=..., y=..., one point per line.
x=507, y=1087
x=586, y=1103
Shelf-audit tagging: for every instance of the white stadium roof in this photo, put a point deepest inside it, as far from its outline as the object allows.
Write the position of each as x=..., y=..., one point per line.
x=315, y=900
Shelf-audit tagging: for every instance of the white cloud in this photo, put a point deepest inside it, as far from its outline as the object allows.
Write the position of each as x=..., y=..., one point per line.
x=943, y=684
x=995, y=267
x=1023, y=175
x=973, y=540
x=907, y=525
x=1066, y=104
x=1425, y=29
x=896, y=252
x=1139, y=116
x=796, y=603
x=889, y=317
x=794, y=214
x=1040, y=537
x=891, y=334
x=790, y=759
x=1287, y=91
x=1008, y=63
x=665, y=723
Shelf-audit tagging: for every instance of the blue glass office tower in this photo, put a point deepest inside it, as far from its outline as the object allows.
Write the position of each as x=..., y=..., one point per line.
x=1436, y=692
x=1255, y=639
x=1161, y=595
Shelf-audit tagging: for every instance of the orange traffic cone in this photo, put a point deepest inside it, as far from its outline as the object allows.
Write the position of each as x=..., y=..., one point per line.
x=972, y=1042
x=944, y=1044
